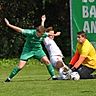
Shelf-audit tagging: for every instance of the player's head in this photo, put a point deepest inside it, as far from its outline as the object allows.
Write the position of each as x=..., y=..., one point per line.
x=40, y=30
x=50, y=30
x=81, y=36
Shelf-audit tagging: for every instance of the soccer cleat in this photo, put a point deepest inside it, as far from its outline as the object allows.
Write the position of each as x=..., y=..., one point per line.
x=54, y=78
x=7, y=80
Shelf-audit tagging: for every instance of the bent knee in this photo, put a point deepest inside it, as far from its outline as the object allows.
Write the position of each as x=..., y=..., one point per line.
x=45, y=60
x=59, y=64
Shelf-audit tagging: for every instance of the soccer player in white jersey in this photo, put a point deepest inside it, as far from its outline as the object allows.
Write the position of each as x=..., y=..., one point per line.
x=54, y=52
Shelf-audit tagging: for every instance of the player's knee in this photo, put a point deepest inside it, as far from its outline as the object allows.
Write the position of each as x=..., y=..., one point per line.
x=46, y=61
x=20, y=67
x=21, y=64
x=59, y=64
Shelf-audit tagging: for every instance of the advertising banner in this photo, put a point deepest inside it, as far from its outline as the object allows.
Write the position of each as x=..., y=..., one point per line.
x=82, y=17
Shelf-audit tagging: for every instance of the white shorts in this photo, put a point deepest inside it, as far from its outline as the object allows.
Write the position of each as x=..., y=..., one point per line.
x=54, y=60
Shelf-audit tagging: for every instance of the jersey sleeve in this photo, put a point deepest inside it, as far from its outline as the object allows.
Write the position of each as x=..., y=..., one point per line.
x=28, y=32
x=46, y=41
x=45, y=34
x=75, y=58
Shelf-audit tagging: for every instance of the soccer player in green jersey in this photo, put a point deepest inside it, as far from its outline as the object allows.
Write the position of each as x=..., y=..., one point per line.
x=32, y=48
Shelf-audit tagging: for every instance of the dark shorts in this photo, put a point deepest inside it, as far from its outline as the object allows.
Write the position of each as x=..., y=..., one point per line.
x=85, y=72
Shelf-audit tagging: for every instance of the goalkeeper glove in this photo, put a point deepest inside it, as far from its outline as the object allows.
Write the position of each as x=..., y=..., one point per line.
x=73, y=69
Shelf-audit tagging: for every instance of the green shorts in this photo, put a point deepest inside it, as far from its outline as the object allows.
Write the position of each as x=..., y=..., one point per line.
x=37, y=54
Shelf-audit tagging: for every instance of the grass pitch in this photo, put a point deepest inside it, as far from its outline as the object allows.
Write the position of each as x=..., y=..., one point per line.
x=32, y=81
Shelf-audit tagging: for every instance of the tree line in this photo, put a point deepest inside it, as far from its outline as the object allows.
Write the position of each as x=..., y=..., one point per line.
x=27, y=14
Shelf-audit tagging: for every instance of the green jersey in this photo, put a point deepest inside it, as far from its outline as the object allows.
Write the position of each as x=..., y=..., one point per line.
x=32, y=46
x=32, y=40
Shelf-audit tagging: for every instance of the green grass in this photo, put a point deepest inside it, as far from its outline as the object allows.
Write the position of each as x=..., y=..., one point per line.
x=32, y=81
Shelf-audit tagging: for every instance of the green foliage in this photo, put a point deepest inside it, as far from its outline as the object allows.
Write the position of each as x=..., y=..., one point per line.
x=8, y=62
x=27, y=14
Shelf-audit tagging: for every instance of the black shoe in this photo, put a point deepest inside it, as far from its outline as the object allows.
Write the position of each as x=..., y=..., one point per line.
x=7, y=80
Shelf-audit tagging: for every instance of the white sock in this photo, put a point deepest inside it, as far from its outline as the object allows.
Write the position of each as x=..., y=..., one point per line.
x=64, y=75
x=61, y=71
x=8, y=78
x=66, y=67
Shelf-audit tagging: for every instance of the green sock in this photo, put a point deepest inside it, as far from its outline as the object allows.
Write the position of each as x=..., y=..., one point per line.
x=14, y=72
x=50, y=70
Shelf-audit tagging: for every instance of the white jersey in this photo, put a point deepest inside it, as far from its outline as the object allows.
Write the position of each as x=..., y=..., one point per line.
x=52, y=48
x=55, y=55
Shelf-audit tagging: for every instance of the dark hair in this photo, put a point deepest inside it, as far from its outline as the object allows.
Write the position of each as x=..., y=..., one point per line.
x=41, y=29
x=82, y=33
x=49, y=29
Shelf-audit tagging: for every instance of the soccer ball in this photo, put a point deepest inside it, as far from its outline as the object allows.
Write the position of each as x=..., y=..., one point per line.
x=75, y=76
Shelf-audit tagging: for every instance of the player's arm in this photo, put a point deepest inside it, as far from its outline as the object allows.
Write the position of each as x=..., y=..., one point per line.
x=18, y=29
x=79, y=62
x=43, y=18
x=74, y=58
x=52, y=34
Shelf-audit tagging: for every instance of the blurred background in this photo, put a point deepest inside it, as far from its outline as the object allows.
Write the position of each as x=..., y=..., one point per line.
x=27, y=14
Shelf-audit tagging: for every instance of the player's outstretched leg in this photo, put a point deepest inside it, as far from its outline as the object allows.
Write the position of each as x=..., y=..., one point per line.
x=12, y=74
x=16, y=70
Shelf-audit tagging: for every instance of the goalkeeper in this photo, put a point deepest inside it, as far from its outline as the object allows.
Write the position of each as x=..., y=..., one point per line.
x=84, y=60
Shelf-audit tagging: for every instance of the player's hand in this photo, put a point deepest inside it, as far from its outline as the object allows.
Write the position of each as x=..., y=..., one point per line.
x=6, y=21
x=58, y=33
x=43, y=17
